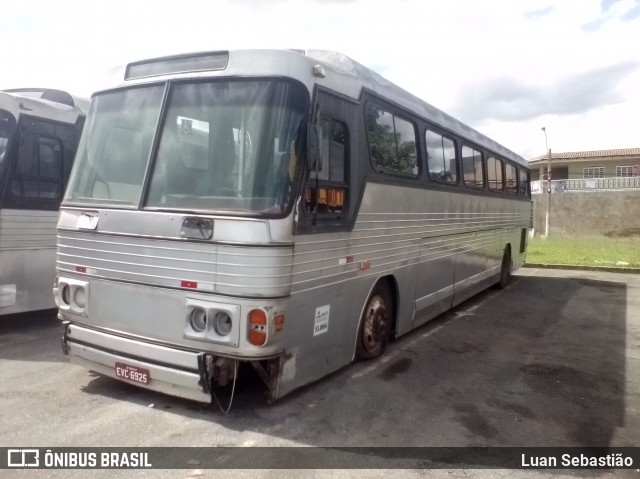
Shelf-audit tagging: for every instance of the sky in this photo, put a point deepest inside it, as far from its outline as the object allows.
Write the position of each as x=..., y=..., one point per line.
x=506, y=68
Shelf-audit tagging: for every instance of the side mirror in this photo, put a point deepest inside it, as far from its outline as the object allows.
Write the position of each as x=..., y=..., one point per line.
x=314, y=147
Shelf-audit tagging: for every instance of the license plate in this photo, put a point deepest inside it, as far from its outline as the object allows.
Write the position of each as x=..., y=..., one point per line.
x=132, y=373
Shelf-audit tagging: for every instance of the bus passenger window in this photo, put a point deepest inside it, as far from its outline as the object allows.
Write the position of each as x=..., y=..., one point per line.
x=511, y=177
x=50, y=158
x=5, y=133
x=39, y=172
x=441, y=158
x=3, y=149
x=494, y=173
x=523, y=184
x=472, y=168
x=329, y=198
x=392, y=142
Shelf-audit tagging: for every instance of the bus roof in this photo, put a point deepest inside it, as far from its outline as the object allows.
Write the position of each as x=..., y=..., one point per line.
x=330, y=69
x=47, y=103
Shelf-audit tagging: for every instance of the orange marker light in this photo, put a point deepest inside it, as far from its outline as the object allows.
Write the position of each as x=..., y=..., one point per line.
x=278, y=321
x=257, y=327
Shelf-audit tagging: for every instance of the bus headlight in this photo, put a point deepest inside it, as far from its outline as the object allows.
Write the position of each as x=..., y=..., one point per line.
x=72, y=295
x=66, y=294
x=212, y=321
x=222, y=323
x=198, y=320
x=80, y=298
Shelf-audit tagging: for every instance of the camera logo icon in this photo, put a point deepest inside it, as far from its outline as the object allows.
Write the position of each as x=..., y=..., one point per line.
x=23, y=458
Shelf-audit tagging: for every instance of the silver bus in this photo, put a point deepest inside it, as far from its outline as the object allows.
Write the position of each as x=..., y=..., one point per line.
x=284, y=211
x=39, y=133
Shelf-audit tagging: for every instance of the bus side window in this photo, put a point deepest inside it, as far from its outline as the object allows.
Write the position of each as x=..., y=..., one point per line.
x=50, y=168
x=523, y=184
x=392, y=142
x=326, y=190
x=441, y=158
x=511, y=176
x=494, y=174
x=39, y=171
x=472, y=168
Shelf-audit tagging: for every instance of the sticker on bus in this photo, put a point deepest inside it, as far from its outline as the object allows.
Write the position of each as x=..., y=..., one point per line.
x=321, y=324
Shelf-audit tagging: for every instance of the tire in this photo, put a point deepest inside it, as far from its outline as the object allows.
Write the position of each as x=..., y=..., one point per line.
x=375, y=324
x=505, y=269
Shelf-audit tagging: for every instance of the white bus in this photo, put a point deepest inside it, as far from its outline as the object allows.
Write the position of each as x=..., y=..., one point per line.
x=283, y=210
x=39, y=133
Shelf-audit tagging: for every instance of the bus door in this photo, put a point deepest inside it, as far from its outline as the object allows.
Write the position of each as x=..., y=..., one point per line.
x=327, y=211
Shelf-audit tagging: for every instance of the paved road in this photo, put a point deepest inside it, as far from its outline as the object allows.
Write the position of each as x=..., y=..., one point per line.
x=553, y=360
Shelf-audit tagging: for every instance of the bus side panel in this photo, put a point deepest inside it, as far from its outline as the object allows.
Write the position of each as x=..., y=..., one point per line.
x=320, y=330
x=27, y=259
x=332, y=278
x=476, y=245
x=434, y=285
x=514, y=231
x=38, y=164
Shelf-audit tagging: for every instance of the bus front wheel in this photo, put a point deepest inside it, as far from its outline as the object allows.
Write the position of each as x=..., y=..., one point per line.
x=375, y=324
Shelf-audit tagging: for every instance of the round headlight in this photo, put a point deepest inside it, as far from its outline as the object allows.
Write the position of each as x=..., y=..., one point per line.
x=80, y=298
x=198, y=320
x=66, y=294
x=222, y=323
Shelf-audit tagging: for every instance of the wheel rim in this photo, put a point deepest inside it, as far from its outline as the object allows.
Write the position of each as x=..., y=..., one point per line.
x=374, y=326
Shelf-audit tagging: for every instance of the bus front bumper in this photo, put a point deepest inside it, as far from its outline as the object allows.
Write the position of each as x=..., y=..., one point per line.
x=168, y=370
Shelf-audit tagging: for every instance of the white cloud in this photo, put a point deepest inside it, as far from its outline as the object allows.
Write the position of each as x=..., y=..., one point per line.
x=510, y=99
x=440, y=51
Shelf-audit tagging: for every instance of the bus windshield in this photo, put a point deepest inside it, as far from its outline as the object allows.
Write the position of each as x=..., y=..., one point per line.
x=223, y=146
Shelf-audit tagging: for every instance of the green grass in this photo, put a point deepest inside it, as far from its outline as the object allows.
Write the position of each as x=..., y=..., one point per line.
x=622, y=253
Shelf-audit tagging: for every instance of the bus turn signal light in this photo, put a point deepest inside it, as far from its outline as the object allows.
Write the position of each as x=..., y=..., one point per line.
x=257, y=327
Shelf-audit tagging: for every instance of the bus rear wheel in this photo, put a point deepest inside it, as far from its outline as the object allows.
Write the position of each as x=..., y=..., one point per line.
x=375, y=324
x=505, y=269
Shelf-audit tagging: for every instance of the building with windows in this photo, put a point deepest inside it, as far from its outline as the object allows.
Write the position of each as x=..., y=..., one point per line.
x=592, y=193
x=576, y=165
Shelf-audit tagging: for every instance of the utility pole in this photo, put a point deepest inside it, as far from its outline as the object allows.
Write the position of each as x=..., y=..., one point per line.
x=546, y=220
